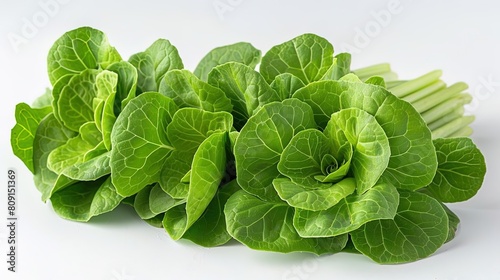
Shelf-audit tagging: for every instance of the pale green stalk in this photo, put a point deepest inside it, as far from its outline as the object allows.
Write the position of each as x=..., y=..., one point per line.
x=424, y=92
x=416, y=84
x=452, y=127
x=446, y=107
x=439, y=96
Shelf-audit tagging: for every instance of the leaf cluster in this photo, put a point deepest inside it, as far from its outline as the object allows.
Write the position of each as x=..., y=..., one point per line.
x=299, y=155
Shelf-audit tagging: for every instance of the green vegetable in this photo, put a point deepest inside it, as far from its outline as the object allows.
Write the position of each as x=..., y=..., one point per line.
x=303, y=154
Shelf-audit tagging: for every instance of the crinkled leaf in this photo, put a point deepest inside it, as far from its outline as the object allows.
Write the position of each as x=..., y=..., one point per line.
x=91, y=169
x=139, y=140
x=191, y=126
x=84, y=200
x=175, y=168
x=23, y=133
x=261, y=141
x=188, y=91
x=207, y=171
x=267, y=226
x=144, y=64
x=461, y=170
x=241, y=52
x=210, y=229
x=302, y=197
x=341, y=66
x=153, y=63
x=286, y=85
x=75, y=103
x=56, y=93
x=307, y=56
x=106, y=83
x=419, y=228
x=126, y=85
x=370, y=144
x=50, y=135
x=378, y=203
x=78, y=50
x=301, y=158
x=413, y=159
x=74, y=151
x=165, y=58
x=245, y=87
x=308, y=156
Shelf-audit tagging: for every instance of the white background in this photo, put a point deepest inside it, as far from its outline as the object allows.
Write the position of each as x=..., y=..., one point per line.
x=460, y=37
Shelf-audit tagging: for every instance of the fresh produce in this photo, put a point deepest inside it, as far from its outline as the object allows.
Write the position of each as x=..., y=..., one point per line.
x=304, y=154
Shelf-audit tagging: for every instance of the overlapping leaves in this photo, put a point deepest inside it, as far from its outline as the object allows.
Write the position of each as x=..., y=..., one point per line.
x=298, y=156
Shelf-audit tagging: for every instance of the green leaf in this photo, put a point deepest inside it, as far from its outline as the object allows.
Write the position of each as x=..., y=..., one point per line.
x=153, y=63
x=453, y=222
x=98, y=106
x=89, y=170
x=160, y=201
x=207, y=171
x=141, y=203
x=379, y=202
x=307, y=56
x=308, y=156
x=301, y=158
x=419, y=228
x=56, y=93
x=286, y=85
x=267, y=226
x=75, y=103
x=50, y=134
x=191, y=126
x=188, y=91
x=156, y=221
x=106, y=83
x=165, y=58
x=175, y=168
x=144, y=64
x=241, y=52
x=84, y=200
x=44, y=100
x=461, y=170
x=371, y=146
x=302, y=197
x=341, y=66
x=376, y=80
x=139, y=141
x=413, y=163
x=261, y=141
x=126, y=85
x=245, y=87
x=78, y=50
x=23, y=133
x=75, y=150
x=210, y=229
